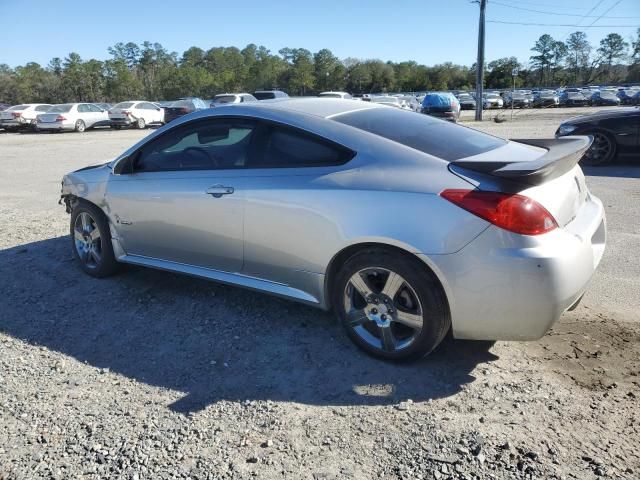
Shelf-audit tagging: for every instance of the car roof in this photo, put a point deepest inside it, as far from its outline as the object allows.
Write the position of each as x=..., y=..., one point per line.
x=319, y=107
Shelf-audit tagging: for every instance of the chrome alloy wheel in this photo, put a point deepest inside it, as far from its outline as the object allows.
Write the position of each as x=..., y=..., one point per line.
x=383, y=309
x=87, y=240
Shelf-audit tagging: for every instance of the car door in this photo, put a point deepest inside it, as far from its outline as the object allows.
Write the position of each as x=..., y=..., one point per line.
x=84, y=114
x=174, y=199
x=286, y=203
x=625, y=129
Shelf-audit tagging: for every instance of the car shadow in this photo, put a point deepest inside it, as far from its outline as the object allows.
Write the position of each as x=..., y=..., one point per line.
x=626, y=168
x=211, y=341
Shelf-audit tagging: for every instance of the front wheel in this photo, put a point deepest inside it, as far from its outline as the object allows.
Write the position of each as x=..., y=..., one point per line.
x=601, y=151
x=91, y=241
x=390, y=305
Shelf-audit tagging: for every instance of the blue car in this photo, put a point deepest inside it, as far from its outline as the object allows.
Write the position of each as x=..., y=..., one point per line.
x=442, y=105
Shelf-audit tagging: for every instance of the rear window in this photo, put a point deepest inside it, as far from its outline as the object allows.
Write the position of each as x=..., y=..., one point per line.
x=224, y=99
x=330, y=95
x=264, y=95
x=437, y=100
x=124, y=105
x=65, y=107
x=424, y=133
x=18, y=107
x=182, y=104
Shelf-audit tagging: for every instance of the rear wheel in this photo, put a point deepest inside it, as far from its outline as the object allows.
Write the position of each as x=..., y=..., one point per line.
x=390, y=306
x=91, y=241
x=602, y=150
x=141, y=123
x=80, y=126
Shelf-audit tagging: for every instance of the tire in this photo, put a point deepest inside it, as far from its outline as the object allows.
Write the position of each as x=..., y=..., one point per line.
x=411, y=312
x=601, y=152
x=80, y=126
x=141, y=124
x=93, y=252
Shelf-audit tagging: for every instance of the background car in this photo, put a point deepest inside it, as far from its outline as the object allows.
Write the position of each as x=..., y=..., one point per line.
x=604, y=98
x=72, y=116
x=441, y=104
x=344, y=95
x=182, y=107
x=569, y=98
x=627, y=96
x=136, y=113
x=389, y=100
x=545, y=98
x=615, y=132
x=269, y=94
x=492, y=100
x=398, y=286
x=467, y=102
x=516, y=99
x=21, y=117
x=4, y=106
x=226, y=98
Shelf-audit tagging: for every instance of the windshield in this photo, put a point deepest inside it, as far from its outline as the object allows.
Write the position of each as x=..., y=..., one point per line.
x=65, y=107
x=124, y=105
x=422, y=132
x=224, y=99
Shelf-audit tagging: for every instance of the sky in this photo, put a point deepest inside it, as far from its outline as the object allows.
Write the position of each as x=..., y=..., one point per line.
x=427, y=31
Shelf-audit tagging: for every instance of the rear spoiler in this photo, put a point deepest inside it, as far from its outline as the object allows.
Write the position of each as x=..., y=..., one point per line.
x=562, y=155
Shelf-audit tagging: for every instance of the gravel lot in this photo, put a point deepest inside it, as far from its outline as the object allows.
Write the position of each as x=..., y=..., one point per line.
x=151, y=375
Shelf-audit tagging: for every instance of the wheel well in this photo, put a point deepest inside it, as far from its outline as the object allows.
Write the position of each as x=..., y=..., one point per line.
x=338, y=260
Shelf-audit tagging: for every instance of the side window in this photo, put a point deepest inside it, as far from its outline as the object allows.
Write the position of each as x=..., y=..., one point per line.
x=94, y=108
x=203, y=145
x=146, y=106
x=42, y=108
x=285, y=147
x=83, y=108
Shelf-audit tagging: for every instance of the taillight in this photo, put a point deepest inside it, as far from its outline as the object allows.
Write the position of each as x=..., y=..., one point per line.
x=126, y=113
x=16, y=114
x=60, y=118
x=513, y=212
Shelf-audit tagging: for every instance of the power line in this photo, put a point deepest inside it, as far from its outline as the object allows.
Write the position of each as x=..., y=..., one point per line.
x=566, y=35
x=606, y=11
x=538, y=4
x=561, y=24
x=547, y=12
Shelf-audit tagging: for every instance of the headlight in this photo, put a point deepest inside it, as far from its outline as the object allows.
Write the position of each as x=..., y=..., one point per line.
x=566, y=129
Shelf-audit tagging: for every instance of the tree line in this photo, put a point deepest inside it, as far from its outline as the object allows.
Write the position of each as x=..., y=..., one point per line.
x=149, y=71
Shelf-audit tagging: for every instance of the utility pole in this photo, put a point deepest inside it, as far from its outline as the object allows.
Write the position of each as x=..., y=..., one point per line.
x=480, y=62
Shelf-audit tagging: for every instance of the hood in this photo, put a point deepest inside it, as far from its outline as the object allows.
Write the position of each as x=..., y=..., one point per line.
x=603, y=114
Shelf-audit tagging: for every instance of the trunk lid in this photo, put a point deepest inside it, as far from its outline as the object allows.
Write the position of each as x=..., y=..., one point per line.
x=545, y=170
x=49, y=117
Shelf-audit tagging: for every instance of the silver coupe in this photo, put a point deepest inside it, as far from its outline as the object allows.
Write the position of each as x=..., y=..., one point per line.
x=405, y=225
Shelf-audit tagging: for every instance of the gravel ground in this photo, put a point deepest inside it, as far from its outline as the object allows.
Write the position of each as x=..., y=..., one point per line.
x=151, y=375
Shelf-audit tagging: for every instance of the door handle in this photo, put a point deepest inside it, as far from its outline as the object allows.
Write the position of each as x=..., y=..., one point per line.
x=219, y=190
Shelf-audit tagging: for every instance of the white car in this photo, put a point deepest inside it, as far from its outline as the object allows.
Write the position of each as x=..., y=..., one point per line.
x=136, y=113
x=344, y=95
x=227, y=98
x=72, y=116
x=387, y=100
x=22, y=116
x=492, y=100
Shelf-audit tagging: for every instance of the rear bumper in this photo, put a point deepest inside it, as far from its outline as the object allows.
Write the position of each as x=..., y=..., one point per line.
x=504, y=286
x=121, y=121
x=56, y=126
